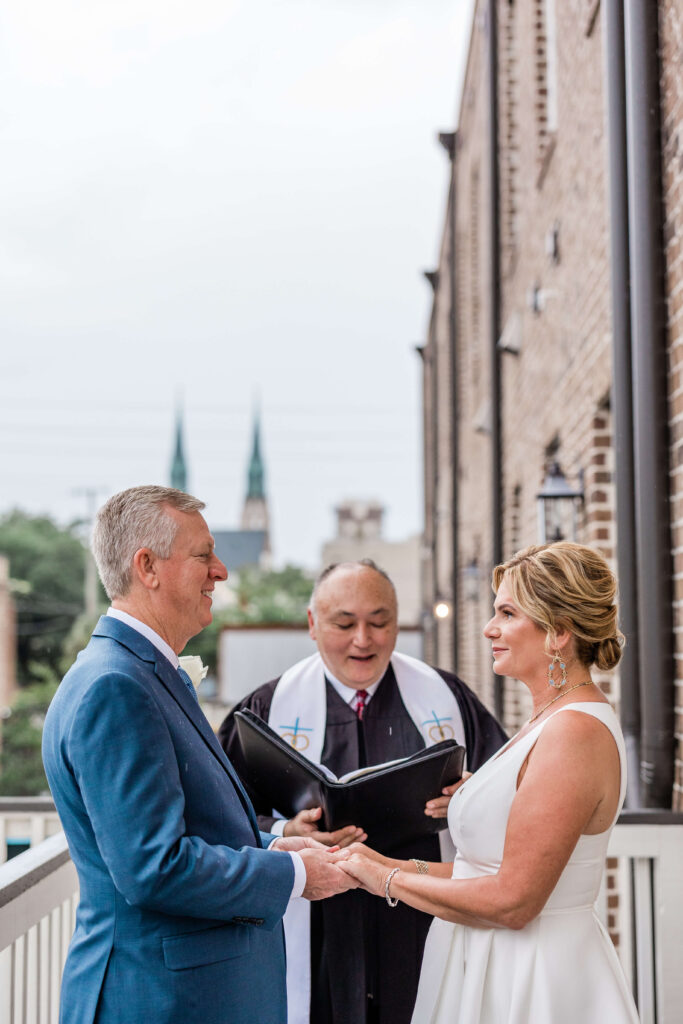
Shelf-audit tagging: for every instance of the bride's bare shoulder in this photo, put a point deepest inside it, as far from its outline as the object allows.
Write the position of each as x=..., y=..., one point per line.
x=578, y=730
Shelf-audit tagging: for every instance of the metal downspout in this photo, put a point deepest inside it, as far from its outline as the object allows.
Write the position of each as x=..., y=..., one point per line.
x=421, y=351
x=453, y=324
x=653, y=544
x=622, y=404
x=449, y=141
x=494, y=305
x=434, y=377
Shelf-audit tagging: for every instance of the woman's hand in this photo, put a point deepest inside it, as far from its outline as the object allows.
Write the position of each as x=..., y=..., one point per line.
x=365, y=851
x=369, y=873
x=438, y=807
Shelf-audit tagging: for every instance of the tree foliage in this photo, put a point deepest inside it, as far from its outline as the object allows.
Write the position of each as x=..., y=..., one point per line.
x=261, y=596
x=47, y=565
x=270, y=596
x=21, y=765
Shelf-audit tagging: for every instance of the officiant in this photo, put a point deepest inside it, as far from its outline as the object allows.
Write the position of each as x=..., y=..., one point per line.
x=357, y=702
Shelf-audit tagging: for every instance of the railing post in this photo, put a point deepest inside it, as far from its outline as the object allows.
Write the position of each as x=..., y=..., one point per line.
x=652, y=843
x=643, y=900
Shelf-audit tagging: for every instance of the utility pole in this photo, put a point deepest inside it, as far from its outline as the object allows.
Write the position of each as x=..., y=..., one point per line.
x=90, y=576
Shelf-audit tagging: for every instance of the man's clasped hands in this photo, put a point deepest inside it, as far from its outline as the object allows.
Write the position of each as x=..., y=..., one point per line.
x=340, y=869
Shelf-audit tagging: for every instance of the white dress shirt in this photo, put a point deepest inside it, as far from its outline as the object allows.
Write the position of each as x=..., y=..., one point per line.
x=348, y=693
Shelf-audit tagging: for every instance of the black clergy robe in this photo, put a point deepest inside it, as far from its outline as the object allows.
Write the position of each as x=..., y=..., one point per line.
x=365, y=955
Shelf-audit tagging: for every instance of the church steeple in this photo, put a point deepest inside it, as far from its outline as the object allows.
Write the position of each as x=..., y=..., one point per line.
x=255, y=509
x=178, y=466
x=255, y=473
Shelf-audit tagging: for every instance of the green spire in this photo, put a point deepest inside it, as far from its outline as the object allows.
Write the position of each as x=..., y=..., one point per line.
x=178, y=467
x=255, y=474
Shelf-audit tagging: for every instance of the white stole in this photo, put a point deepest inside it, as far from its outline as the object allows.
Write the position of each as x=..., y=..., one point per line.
x=298, y=713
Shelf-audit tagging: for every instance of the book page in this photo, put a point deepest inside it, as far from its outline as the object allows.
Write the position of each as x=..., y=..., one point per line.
x=370, y=768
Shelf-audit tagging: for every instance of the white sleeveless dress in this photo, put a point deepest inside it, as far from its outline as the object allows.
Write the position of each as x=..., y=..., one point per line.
x=561, y=968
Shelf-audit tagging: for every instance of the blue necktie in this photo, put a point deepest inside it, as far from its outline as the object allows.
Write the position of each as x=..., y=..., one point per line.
x=188, y=683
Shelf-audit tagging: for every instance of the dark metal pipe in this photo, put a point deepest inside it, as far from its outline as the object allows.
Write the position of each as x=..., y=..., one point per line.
x=427, y=621
x=653, y=542
x=494, y=307
x=453, y=324
x=431, y=355
x=434, y=379
x=622, y=405
x=449, y=140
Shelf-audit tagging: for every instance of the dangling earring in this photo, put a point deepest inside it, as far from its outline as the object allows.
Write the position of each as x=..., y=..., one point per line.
x=557, y=660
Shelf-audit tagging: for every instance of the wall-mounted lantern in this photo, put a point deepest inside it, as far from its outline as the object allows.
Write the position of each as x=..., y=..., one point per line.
x=558, y=507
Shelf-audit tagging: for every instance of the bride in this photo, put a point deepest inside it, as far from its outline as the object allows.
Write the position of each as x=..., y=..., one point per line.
x=516, y=938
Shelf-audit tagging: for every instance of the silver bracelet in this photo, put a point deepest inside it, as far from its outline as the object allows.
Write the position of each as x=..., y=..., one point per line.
x=392, y=903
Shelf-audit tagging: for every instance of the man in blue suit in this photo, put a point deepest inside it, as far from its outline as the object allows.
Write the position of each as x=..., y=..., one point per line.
x=180, y=902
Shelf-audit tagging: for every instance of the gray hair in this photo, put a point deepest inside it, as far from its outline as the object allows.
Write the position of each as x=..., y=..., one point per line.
x=361, y=563
x=133, y=519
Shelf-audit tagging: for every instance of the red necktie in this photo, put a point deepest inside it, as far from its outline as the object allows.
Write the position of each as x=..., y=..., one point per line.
x=361, y=701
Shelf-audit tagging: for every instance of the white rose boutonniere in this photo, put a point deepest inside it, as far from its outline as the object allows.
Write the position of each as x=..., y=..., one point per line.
x=192, y=664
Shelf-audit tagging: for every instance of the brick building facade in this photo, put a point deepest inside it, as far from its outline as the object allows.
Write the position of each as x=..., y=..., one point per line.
x=671, y=62
x=8, y=682
x=522, y=354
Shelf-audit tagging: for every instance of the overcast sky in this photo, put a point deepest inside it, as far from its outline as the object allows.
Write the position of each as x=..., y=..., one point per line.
x=228, y=201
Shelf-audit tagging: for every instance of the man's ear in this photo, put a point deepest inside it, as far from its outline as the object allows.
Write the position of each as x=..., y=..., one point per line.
x=311, y=624
x=144, y=568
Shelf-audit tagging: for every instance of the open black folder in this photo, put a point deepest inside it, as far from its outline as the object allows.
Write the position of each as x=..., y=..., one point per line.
x=387, y=801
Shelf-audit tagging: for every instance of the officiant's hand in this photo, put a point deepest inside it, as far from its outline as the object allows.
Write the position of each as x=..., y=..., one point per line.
x=438, y=807
x=304, y=824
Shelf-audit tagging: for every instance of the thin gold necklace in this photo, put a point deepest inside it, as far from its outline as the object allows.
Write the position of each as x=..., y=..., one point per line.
x=586, y=682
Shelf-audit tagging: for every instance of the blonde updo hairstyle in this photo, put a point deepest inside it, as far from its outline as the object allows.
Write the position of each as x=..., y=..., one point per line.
x=565, y=586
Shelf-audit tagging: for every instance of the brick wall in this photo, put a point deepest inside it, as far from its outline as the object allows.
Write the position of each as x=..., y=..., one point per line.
x=439, y=412
x=7, y=638
x=474, y=370
x=556, y=371
x=555, y=361
x=671, y=91
x=555, y=291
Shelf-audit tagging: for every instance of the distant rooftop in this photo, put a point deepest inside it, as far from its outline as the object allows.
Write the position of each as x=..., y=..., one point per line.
x=240, y=548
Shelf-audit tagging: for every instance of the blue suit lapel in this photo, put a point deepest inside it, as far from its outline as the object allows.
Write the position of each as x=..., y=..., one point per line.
x=175, y=686
x=142, y=648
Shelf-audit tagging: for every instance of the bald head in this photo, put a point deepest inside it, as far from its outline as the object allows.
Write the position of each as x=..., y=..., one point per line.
x=353, y=618
x=342, y=568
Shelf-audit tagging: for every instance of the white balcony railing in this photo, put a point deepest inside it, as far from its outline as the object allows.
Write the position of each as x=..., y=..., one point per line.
x=39, y=892
x=38, y=897
x=649, y=845
x=25, y=821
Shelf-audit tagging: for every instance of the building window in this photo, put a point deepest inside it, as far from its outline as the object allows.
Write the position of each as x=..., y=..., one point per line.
x=545, y=83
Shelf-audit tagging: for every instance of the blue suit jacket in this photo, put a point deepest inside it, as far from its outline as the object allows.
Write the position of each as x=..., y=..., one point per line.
x=180, y=906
